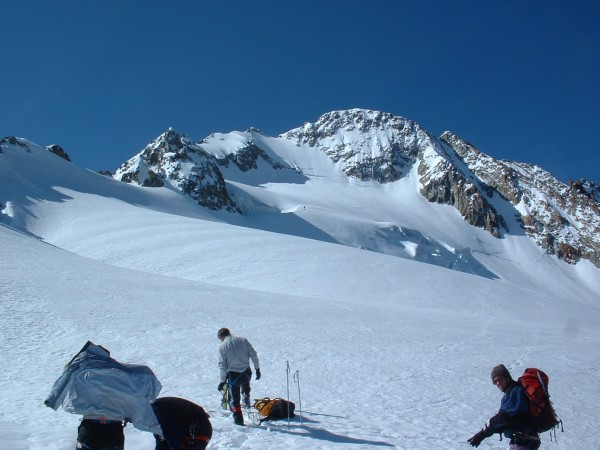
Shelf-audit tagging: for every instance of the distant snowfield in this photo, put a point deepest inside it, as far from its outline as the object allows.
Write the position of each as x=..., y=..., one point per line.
x=390, y=352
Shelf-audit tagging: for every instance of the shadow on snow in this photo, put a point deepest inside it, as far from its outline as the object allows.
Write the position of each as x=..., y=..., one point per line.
x=322, y=434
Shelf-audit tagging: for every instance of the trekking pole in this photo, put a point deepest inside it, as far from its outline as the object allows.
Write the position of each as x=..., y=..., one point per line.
x=288, y=391
x=297, y=380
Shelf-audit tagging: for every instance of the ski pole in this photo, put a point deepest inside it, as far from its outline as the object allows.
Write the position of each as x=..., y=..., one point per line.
x=288, y=391
x=297, y=380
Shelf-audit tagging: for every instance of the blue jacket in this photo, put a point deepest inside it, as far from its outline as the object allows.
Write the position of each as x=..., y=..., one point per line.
x=513, y=415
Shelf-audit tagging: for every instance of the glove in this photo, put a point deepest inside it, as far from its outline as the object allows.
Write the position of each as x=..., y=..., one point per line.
x=258, y=374
x=476, y=440
x=221, y=386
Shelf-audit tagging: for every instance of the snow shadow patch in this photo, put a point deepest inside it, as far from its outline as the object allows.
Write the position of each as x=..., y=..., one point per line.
x=412, y=244
x=322, y=434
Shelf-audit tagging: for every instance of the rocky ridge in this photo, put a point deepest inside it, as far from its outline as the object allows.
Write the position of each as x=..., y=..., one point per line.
x=371, y=145
x=24, y=144
x=562, y=219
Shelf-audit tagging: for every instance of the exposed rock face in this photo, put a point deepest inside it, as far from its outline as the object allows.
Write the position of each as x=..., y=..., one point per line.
x=446, y=185
x=246, y=158
x=372, y=145
x=369, y=145
x=14, y=141
x=564, y=220
x=175, y=161
x=58, y=151
x=24, y=144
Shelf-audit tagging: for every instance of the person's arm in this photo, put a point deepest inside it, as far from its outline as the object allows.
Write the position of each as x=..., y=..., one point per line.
x=498, y=422
x=222, y=366
x=253, y=356
x=512, y=404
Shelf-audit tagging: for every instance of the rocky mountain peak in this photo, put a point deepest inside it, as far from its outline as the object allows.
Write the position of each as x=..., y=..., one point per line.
x=496, y=195
x=342, y=123
x=369, y=145
x=177, y=162
x=171, y=142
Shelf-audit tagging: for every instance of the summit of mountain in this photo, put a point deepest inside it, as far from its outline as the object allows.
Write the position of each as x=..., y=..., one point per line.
x=227, y=171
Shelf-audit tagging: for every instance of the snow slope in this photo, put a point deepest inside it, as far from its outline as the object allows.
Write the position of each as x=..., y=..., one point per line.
x=390, y=352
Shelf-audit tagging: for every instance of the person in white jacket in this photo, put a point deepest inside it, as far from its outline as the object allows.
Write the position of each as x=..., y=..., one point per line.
x=235, y=354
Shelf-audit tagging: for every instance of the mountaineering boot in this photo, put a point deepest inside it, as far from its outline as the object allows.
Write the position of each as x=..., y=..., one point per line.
x=238, y=418
x=246, y=400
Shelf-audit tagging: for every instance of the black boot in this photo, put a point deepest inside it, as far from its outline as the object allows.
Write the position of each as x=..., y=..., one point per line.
x=238, y=417
x=246, y=400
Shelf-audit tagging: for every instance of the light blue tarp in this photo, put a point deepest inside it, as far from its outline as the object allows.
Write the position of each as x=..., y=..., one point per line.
x=95, y=385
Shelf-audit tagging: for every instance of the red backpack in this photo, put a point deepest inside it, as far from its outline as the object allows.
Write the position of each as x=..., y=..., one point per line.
x=535, y=385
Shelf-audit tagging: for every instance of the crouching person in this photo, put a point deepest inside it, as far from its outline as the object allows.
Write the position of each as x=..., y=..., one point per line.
x=108, y=394
x=185, y=425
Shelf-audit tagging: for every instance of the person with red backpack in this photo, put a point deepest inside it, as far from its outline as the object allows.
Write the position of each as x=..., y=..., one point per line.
x=513, y=418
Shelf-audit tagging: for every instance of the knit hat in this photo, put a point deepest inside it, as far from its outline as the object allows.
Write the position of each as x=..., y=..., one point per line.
x=500, y=370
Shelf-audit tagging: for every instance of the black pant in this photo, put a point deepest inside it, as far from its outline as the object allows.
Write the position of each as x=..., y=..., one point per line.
x=530, y=441
x=238, y=381
x=161, y=444
x=100, y=435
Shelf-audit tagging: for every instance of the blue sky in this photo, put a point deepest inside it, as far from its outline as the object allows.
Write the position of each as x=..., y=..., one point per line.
x=519, y=79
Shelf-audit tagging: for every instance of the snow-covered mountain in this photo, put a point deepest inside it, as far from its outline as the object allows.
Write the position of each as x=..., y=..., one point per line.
x=376, y=149
x=391, y=352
